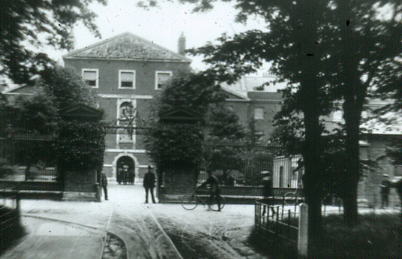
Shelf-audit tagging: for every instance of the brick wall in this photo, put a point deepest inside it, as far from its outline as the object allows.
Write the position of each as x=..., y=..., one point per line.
x=109, y=100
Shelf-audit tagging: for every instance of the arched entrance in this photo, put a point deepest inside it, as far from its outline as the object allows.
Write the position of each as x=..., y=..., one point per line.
x=125, y=173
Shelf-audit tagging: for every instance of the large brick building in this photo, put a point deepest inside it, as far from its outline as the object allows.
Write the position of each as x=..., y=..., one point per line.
x=125, y=72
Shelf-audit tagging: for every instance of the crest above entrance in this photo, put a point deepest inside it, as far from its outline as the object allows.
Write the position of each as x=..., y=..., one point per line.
x=180, y=116
x=81, y=112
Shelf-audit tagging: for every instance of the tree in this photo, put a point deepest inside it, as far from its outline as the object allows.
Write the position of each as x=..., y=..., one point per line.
x=46, y=135
x=66, y=88
x=333, y=50
x=290, y=43
x=35, y=119
x=369, y=64
x=224, y=142
x=180, y=144
x=29, y=25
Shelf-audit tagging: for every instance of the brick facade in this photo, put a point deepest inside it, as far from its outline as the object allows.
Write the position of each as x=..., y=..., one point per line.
x=145, y=61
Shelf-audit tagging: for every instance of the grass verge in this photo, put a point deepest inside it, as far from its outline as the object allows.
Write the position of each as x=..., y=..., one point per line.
x=376, y=236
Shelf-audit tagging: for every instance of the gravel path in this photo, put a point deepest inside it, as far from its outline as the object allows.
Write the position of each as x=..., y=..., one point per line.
x=155, y=230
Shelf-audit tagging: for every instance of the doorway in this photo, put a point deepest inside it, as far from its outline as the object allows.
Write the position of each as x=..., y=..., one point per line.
x=125, y=170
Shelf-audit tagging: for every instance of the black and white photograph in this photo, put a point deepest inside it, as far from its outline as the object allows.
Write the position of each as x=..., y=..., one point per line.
x=200, y=129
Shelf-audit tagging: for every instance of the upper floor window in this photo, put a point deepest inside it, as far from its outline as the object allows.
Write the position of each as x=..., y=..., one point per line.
x=91, y=77
x=126, y=79
x=258, y=113
x=161, y=77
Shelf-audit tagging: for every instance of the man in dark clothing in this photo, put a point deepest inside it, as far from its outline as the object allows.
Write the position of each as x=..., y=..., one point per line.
x=212, y=183
x=104, y=184
x=149, y=184
x=267, y=182
x=385, y=188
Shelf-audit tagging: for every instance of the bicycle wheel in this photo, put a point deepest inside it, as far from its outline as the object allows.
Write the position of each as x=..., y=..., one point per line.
x=289, y=198
x=214, y=205
x=189, y=202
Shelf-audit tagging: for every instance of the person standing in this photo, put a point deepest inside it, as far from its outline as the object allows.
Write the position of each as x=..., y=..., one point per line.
x=267, y=183
x=385, y=188
x=149, y=184
x=104, y=184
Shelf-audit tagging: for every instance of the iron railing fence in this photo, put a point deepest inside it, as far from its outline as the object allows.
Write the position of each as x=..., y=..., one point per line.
x=9, y=214
x=277, y=220
x=23, y=158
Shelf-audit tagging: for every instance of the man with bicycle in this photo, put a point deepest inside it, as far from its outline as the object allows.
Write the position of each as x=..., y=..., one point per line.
x=212, y=184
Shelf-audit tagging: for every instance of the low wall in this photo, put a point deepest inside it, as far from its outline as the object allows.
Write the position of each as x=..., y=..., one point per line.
x=232, y=194
x=81, y=186
x=30, y=185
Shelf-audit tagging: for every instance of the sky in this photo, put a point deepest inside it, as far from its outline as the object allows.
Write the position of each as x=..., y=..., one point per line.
x=162, y=25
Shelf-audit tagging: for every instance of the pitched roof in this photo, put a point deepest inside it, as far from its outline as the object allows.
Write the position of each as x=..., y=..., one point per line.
x=126, y=46
x=20, y=90
x=234, y=93
x=251, y=83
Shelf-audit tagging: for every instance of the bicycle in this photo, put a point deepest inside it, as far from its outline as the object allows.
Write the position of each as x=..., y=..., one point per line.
x=293, y=197
x=190, y=202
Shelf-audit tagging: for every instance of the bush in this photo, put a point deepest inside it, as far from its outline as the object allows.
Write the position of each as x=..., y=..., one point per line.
x=5, y=168
x=80, y=145
x=377, y=236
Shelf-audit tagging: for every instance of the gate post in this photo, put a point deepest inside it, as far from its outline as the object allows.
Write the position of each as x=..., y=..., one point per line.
x=302, y=236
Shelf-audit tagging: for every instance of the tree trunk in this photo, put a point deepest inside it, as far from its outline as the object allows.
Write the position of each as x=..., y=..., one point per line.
x=352, y=119
x=353, y=93
x=309, y=93
x=312, y=180
x=350, y=205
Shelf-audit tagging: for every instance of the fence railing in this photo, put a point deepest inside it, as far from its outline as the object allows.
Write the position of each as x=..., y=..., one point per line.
x=9, y=214
x=278, y=220
x=283, y=223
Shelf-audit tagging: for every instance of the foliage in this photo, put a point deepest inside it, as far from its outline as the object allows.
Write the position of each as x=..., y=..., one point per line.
x=37, y=114
x=192, y=92
x=29, y=25
x=224, y=140
x=39, y=119
x=376, y=236
x=173, y=145
x=66, y=88
x=291, y=43
x=80, y=145
x=5, y=168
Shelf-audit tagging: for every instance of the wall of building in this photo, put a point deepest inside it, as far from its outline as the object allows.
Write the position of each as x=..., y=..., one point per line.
x=110, y=97
x=109, y=74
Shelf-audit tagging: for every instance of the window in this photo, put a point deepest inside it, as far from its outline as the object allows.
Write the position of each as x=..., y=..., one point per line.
x=126, y=79
x=90, y=77
x=258, y=113
x=161, y=77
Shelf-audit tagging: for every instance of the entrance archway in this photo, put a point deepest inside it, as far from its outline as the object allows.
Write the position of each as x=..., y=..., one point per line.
x=125, y=170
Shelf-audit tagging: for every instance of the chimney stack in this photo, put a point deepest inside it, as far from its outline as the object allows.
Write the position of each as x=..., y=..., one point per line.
x=181, y=45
